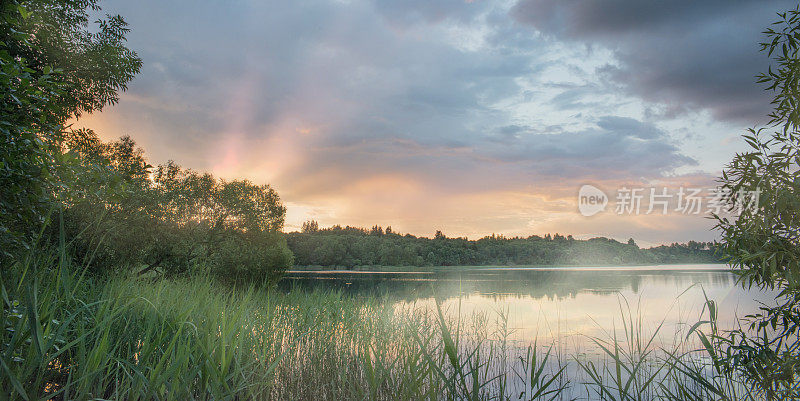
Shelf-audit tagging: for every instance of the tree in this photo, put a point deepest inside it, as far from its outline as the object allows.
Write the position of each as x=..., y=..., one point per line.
x=356, y=244
x=25, y=161
x=94, y=63
x=762, y=244
x=123, y=215
x=232, y=226
x=310, y=227
x=52, y=67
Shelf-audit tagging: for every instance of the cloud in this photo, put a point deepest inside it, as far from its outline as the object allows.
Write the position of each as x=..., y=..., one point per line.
x=413, y=12
x=686, y=54
x=515, y=158
x=471, y=116
x=616, y=147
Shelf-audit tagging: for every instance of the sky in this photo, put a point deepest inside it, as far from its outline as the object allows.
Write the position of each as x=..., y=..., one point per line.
x=471, y=117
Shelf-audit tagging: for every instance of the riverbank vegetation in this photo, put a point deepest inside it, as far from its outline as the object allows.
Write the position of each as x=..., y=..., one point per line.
x=125, y=281
x=69, y=335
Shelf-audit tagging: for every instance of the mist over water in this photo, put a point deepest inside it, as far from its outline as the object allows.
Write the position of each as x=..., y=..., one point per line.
x=563, y=306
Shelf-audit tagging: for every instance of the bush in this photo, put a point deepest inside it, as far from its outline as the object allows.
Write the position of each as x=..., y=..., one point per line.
x=249, y=257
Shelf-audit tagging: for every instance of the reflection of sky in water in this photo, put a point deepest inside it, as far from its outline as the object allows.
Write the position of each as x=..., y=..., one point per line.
x=558, y=304
x=593, y=312
x=563, y=307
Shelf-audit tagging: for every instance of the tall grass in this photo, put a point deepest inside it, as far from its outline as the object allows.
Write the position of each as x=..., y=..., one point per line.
x=69, y=336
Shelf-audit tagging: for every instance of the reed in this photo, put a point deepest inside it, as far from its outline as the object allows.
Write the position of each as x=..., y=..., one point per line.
x=70, y=336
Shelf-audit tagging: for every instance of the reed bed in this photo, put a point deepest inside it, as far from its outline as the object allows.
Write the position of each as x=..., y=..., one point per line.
x=69, y=336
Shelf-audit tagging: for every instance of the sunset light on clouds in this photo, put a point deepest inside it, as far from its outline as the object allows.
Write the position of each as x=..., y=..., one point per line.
x=472, y=117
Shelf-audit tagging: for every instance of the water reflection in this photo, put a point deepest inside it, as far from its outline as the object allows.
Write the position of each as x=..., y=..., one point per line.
x=562, y=307
x=554, y=303
x=554, y=283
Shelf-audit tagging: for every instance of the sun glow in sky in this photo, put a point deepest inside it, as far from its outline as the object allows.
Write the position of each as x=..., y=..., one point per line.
x=470, y=117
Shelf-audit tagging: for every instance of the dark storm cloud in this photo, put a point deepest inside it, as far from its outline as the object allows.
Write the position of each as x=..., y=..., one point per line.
x=686, y=54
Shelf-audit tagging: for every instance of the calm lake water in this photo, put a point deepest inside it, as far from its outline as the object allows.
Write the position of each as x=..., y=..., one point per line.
x=561, y=305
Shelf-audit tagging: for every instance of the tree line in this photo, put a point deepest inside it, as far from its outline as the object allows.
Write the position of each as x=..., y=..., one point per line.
x=350, y=247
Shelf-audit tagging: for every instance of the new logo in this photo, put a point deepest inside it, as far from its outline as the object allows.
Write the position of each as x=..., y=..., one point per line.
x=591, y=200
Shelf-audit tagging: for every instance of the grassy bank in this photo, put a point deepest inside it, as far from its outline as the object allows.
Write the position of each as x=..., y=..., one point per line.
x=68, y=336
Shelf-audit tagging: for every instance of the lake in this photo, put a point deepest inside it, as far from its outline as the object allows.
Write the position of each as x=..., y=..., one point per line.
x=562, y=305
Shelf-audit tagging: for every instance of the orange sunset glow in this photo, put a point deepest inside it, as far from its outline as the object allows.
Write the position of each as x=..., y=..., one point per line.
x=413, y=121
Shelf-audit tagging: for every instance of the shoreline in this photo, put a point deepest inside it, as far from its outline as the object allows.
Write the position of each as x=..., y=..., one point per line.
x=441, y=269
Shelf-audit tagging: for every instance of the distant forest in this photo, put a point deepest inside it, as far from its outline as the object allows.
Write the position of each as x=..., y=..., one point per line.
x=350, y=247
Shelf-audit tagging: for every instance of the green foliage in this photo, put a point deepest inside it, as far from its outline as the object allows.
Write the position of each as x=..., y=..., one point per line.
x=350, y=247
x=763, y=243
x=122, y=220
x=249, y=257
x=55, y=66
x=67, y=335
x=52, y=68
x=189, y=197
x=94, y=64
x=28, y=120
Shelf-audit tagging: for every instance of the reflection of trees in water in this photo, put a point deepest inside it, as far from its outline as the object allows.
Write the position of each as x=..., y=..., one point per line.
x=501, y=284
x=636, y=280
